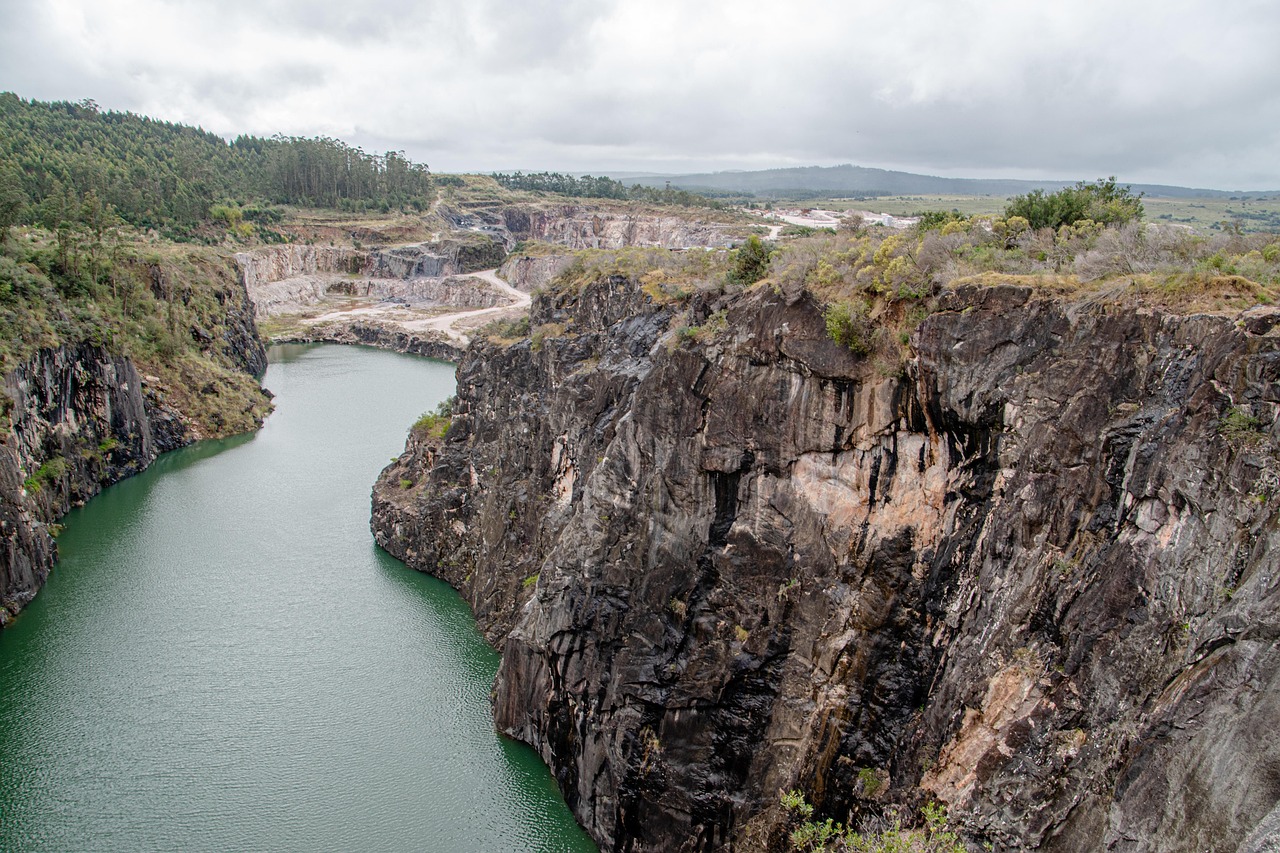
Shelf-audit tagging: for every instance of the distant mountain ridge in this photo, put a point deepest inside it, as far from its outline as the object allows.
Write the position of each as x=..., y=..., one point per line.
x=860, y=180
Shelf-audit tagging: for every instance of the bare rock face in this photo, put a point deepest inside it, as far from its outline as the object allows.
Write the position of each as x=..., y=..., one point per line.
x=586, y=227
x=283, y=279
x=376, y=334
x=1033, y=573
x=26, y=550
x=82, y=419
x=530, y=273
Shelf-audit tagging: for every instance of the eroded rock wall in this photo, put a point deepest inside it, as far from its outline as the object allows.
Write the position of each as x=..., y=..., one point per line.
x=530, y=273
x=587, y=227
x=1032, y=573
x=270, y=264
x=286, y=279
x=380, y=335
x=81, y=418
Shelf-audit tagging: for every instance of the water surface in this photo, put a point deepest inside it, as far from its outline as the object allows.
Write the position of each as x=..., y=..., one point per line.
x=223, y=660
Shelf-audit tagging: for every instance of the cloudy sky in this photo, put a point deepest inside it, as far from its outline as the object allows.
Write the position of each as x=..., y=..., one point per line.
x=1164, y=91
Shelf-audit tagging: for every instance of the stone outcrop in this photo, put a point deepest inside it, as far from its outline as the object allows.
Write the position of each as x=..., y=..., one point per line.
x=287, y=278
x=1032, y=573
x=380, y=335
x=596, y=226
x=530, y=273
x=82, y=419
x=582, y=227
x=270, y=264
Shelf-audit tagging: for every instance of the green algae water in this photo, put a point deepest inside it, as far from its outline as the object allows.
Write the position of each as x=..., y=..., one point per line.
x=223, y=660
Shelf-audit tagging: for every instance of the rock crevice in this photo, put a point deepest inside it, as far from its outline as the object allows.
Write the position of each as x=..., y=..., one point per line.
x=1029, y=573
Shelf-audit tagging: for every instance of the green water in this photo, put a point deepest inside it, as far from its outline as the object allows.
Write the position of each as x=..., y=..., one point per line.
x=223, y=660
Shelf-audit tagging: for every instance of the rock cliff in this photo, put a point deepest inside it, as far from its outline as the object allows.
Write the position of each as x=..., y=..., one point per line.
x=582, y=227
x=598, y=226
x=1032, y=573
x=82, y=417
x=284, y=278
x=375, y=334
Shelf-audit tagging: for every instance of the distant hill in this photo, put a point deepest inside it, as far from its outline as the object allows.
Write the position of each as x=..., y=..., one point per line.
x=850, y=180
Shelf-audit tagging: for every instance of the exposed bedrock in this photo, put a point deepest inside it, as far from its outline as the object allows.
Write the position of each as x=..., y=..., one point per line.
x=376, y=334
x=285, y=278
x=530, y=273
x=1033, y=574
x=580, y=226
x=80, y=417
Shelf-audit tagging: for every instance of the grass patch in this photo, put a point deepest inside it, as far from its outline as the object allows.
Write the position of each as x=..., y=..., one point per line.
x=51, y=471
x=542, y=332
x=505, y=332
x=435, y=423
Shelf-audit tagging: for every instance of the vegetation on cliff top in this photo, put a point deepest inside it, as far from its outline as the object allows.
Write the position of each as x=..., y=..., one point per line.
x=1101, y=201
x=435, y=424
x=169, y=308
x=877, y=284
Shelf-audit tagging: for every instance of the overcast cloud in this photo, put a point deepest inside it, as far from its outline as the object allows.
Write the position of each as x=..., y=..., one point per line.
x=1164, y=91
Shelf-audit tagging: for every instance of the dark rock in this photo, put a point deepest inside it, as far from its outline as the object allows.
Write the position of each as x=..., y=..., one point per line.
x=1030, y=576
x=82, y=418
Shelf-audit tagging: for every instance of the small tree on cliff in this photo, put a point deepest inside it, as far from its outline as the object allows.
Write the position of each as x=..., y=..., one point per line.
x=752, y=261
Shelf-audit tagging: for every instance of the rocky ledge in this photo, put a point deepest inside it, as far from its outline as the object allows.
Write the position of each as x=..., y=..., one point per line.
x=375, y=334
x=1031, y=573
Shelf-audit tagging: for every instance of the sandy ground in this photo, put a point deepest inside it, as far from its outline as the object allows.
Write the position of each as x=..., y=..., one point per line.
x=453, y=325
x=828, y=219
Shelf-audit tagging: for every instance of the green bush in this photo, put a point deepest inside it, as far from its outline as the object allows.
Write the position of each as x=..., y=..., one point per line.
x=435, y=424
x=830, y=836
x=1238, y=424
x=1102, y=201
x=847, y=325
x=934, y=220
x=50, y=471
x=506, y=329
x=751, y=263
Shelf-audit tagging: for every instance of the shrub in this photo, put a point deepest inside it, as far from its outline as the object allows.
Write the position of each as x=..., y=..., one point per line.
x=506, y=329
x=53, y=469
x=435, y=424
x=847, y=325
x=934, y=220
x=751, y=262
x=1238, y=424
x=934, y=836
x=1102, y=201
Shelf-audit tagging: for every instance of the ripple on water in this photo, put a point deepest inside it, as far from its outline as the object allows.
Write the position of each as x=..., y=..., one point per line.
x=223, y=661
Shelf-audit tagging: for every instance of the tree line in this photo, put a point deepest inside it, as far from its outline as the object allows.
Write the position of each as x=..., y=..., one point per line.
x=599, y=186
x=59, y=159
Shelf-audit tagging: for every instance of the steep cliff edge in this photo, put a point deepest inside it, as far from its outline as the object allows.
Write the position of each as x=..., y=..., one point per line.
x=81, y=414
x=1032, y=574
